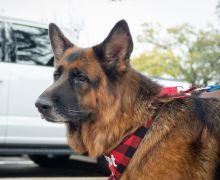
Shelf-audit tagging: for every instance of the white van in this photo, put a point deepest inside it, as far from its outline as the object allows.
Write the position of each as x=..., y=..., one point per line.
x=26, y=70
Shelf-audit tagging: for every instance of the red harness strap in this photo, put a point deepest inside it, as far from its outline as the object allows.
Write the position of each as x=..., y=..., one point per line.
x=168, y=90
x=173, y=91
x=120, y=157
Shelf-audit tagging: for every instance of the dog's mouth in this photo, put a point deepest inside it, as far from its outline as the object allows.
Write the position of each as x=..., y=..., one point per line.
x=73, y=121
x=53, y=119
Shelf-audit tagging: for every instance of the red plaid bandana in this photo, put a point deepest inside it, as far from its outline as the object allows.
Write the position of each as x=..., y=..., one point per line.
x=119, y=158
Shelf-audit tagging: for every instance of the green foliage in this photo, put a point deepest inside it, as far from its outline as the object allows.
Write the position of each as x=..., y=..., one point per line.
x=157, y=63
x=180, y=52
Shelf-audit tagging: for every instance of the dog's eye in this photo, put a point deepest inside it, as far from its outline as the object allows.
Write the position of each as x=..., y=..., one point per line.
x=78, y=77
x=58, y=73
x=56, y=76
x=81, y=78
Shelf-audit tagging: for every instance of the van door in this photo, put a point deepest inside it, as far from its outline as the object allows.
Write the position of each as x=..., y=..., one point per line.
x=31, y=73
x=4, y=85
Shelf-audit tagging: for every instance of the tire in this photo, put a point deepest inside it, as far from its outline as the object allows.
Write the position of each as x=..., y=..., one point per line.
x=51, y=161
x=103, y=166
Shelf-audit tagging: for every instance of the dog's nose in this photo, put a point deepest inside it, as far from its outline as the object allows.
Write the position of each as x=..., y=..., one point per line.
x=43, y=104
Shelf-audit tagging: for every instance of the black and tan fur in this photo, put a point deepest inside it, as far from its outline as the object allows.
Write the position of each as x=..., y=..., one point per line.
x=101, y=99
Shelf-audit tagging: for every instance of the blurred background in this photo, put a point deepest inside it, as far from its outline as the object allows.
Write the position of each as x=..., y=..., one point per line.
x=176, y=42
x=183, y=34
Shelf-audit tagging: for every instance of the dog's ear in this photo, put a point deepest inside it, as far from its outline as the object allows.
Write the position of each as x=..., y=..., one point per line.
x=58, y=41
x=114, y=52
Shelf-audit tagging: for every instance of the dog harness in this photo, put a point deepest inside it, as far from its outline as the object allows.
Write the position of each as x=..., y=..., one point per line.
x=119, y=157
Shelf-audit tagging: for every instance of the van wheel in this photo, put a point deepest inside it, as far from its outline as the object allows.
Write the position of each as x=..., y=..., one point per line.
x=51, y=160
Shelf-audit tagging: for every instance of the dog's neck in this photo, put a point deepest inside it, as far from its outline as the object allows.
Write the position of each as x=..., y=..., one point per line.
x=127, y=111
x=138, y=107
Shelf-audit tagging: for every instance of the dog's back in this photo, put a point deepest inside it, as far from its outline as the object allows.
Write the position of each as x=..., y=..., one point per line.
x=208, y=112
x=183, y=142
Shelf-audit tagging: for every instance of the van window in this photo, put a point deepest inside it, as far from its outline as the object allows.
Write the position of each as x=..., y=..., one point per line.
x=1, y=41
x=32, y=45
x=8, y=45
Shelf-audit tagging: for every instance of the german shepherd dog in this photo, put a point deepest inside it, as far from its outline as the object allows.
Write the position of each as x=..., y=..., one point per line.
x=101, y=99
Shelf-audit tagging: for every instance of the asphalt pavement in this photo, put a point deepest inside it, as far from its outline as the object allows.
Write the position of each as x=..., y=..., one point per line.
x=21, y=168
x=67, y=178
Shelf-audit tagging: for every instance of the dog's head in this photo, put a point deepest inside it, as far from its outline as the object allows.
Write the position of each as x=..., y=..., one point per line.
x=81, y=75
x=90, y=87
